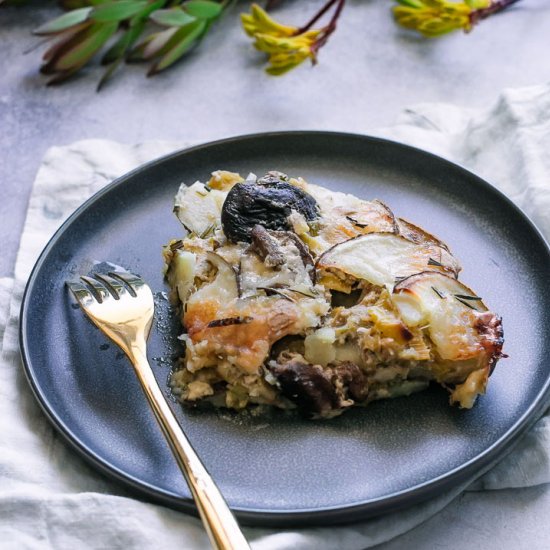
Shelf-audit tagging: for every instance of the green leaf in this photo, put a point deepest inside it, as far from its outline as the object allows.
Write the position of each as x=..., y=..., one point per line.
x=107, y=74
x=136, y=54
x=160, y=43
x=151, y=7
x=117, y=11
x=64, y=22
x=123, y=44
x=175, y=17
x=66, y=40
x=73, y=4
x=182, y=42
x=80, y=54
x=203, y=9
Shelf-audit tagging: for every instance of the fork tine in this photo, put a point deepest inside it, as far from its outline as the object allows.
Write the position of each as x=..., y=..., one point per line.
x=128, y=278
x=134, y=282
x=116, y=287
x=97, y=287
x=84, y=297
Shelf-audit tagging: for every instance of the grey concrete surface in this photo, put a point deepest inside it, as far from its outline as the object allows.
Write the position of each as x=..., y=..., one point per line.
x=369, y=72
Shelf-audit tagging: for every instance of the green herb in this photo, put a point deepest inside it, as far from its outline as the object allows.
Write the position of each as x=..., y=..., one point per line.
x=440, y=294
x=270, y=291
x=207, y=231
x=228, y=321
x=355, y=222
x=431, y=261
x=466, y=297
x=176, y=245
x=308, y=295
x=464, y=302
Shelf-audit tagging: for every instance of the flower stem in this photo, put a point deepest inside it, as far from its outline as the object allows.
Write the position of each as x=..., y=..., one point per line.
x=330, y=28
x=271, y=4
x=494, y=7
x=317, y=16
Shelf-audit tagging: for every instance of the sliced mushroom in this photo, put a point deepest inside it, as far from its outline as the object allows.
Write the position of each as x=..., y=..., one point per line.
x=381, y=258
x=319, y=392
x=267, y=202
x=275, y=260
x=267, y=247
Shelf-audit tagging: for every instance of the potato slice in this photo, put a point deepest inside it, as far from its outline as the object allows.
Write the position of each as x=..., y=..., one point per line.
x=183, y=274
x=383, y=258
x=417, y=234
x=335, y=206
x=199, y=208
x=343, y=217
x=458, y=322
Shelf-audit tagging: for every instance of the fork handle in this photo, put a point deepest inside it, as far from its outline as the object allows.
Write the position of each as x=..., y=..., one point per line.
x=221, y=526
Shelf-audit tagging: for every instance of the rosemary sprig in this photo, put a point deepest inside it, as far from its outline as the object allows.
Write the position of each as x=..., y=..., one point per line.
x=228, y=321
x=466, y=297
x=207, y=231
x=270, y=291
x=431, y=261
x=176, y=245
x=356, y=223
x=465, y=302
x=306, y=294
x=438, y=292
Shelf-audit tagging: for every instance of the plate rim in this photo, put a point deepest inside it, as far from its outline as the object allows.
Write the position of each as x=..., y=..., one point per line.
x=338, y=514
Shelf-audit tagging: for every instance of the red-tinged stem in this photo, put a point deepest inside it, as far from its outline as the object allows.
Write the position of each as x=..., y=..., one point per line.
x=271, y=4
x=317, y=16
x=494, y=7
x=329, y=29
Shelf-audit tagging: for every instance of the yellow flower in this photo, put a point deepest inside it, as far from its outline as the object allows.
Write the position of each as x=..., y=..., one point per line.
x=436, y=17
x=258, y=22
x=285, y=47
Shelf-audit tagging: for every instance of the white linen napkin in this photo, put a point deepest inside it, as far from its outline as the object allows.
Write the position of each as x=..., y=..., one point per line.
x=49, y=498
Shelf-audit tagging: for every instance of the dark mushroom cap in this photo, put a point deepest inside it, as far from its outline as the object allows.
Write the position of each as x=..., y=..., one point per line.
x=268, y=203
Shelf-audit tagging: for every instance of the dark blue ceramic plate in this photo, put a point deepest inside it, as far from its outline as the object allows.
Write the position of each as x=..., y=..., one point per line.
x=281, y=470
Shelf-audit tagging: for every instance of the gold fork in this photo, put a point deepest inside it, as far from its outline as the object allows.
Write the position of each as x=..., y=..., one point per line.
x=122, y=306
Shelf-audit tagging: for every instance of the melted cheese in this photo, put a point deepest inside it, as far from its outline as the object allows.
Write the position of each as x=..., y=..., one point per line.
x=466, y=394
